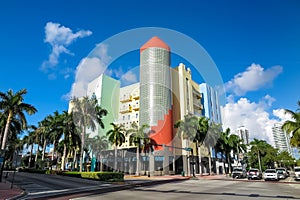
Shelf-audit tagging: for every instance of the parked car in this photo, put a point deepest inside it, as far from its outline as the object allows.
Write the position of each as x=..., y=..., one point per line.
x=271, y=174
x=297, y=173
x=239, y=173
x=282, y=172
x=254, y=173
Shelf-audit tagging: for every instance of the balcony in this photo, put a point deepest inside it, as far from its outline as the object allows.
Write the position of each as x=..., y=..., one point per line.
x=197, y=106
x=136, y=95
x=136, y=107
x=126, y=109
x=125, y=98
x=197, y=94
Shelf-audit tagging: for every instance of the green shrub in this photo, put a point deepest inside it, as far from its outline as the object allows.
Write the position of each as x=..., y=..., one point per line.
x=101, y=176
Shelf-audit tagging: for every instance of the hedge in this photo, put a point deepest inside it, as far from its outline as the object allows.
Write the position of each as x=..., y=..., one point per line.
x=101, y=176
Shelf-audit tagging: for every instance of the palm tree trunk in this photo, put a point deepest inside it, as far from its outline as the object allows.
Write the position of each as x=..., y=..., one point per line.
x=116, y=161
x=44, y=149
x=75, y=159
x=209, y=161
x=258, y=156
x=229, y=163
x=30, y=155
x=63, y=159
x=137, y=161
x=81, y=152
x=200, y=160
x=101, y=164
x=54, y=143
x=36, y=156
x=6, y=131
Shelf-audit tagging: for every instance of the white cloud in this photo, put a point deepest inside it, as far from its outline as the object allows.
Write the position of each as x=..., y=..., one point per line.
x=254, y=78
x=281, y=115
x=253, y=116
x=89, y=69
x=59, y=37
x=129, y=78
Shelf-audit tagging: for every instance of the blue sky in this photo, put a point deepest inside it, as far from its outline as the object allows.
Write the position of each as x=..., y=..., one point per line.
x=254, y=44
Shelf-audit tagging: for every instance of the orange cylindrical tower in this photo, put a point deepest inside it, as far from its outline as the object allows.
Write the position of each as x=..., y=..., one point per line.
x=155, y=90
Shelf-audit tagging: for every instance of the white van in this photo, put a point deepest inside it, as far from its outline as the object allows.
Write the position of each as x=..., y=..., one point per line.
x=297, y=173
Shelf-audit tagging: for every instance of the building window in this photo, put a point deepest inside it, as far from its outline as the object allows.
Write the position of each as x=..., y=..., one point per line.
x=136, y=115
x=128, y=117
x=123, y=117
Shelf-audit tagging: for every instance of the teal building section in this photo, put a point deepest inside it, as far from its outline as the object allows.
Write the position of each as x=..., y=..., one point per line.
x=110, y=92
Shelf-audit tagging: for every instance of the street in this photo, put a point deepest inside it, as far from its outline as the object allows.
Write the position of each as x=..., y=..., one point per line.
x=207, y=189
x=41, y=186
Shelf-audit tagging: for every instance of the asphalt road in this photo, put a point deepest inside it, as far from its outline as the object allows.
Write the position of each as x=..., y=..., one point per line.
x=41, y=185
x=207, y=189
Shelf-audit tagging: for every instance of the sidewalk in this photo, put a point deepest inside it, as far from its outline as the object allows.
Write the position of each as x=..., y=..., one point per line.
x=6, y=192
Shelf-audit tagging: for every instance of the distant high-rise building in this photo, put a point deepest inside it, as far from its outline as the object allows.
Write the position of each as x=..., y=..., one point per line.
x=211, y=103
x=243, y=133
x=281, y=139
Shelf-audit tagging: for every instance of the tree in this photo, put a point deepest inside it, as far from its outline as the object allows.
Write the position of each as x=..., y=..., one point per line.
x=97, y=145
x=200, y=136
x=188, y=129
x=44, y=130
x=56, y=132
x=284, y=159
x=13, y=105
x=15, y=128
x=213, y=133
x=262, y=155
x=138, y=136
x=293, y=126
x=86, y=111
x=116, y=137
x=29, y=141
x=225, y=146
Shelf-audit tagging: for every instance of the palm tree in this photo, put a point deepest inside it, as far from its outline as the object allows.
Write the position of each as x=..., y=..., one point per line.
x=138, y=136
x=14, y=129
x=97, y=145
x=13, y=105
x=212, y=136
x=258, y=149
x=203, y=125
x=117, y=138
x=44, y=130
x=55, y=133
x=29, y=141
x=188, y=129
x=224, y=145
x=293, y=126
x=86, y=111
x=65, y=127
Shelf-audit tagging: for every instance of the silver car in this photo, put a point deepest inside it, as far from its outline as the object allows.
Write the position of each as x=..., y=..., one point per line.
x=282, y=173
x=271, y=175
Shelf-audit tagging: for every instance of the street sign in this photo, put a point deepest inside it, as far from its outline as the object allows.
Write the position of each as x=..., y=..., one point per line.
x=188, y=149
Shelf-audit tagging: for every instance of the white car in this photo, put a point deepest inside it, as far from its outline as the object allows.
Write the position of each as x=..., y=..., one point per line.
x=271, y=175
x=297, y=173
